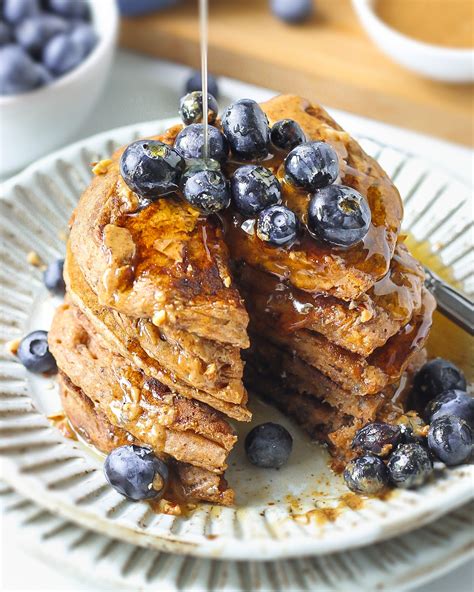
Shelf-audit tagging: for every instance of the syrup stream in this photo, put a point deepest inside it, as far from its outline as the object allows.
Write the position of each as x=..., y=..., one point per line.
x=203, y=17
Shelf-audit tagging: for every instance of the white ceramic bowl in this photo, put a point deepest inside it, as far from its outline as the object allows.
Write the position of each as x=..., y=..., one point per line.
x=432, y=61
x=34, y=123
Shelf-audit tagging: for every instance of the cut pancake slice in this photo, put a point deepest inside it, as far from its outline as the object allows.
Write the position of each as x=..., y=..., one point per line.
x=187, y=430
x=187, y=483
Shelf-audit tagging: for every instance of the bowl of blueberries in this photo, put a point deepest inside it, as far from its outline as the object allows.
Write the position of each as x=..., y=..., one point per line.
x=54, y=59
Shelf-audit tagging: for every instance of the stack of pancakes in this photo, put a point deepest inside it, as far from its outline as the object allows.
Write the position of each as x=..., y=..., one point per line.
x=157, y=312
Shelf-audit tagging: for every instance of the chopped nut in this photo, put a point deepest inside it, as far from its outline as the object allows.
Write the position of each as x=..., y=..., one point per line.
x=173, y=249
x=101, y=167
x=12, y=346
x=34, y=259
x=159, y=318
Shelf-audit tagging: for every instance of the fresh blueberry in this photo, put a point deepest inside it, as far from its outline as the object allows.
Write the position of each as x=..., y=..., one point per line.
x=44, y=75
x=151, y=168
x=435, y=377
x=312, y=165
x=377, y=438
x=194, y=82
x=450, y=440
x=72, y=9
x=34, y=353
x=453, y=402
x=286, y=134
x=292, y=11
x=190, y=108
x=136, y=472
x=268, y=445
x=15, y=11
x=206, y=189
x=18, y=72
x=409, y=466
x=62, y=53
x=85, y=36
x=254, y=188
x=277, y=225
x=33, y=33
x=190, y=142
x=5, y=34
x=246, y=128
x=338, y=215
x=408, y=436
x=366, y=474
x=53, y=277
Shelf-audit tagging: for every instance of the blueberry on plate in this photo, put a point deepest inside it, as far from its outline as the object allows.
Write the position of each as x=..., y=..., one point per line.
x=409, y=466
x=72, y=9
x=254, y=188
x=453, y=402
x=312, y=165
x=5, y=33
x=190, y=108
x=62, y=53
x=33, y=352
x=377, y=438
x=246, y=128
x=206, y=189
x=15, y=11
x=136, y=472
x=450, y=440
x=53, y=277
x=194, y=82
x=277, y=225
x=18, y=72
x=34, y=32
x=190, y=142
x=437, y=376
x=292, y=11
x=339, y=216
x=366, y=474
x=85, y=36
x=286, y=134
x=151, y=168
x=268, y=445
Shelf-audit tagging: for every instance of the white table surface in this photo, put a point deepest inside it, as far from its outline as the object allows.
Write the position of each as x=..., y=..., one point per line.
x=142, y=89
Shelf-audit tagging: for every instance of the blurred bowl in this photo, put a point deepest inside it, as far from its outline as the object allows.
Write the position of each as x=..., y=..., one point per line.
x=433, y=61
x=38, y=121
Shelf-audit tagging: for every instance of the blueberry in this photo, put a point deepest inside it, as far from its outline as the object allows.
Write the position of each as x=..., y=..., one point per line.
x=33, y=33
x=312, y=165
x=450, y=440
x=136, y=472
x=151, y=168
x=408, y=436
x=5, y=33
x=268, y=445
x=62, y=53
x=34, y=353
x=254, y=188
x=338, y=215
x=85, y=36
x=194, y=82
x=246, y=128
x=366, y=474
x=286, y=134
x=190, y=108
x=44, y=75
x=190, y=142
x=277, y=225
x=435, y=377
x=18, y=72
x=15, y=11
x=377, y=438
x=409, y=466
x=292, y=11
x=206, y=189
x=53, y=277
x=453, y=402
x=72, y=9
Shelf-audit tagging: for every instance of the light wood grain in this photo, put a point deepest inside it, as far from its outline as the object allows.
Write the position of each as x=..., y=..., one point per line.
x=329, y=59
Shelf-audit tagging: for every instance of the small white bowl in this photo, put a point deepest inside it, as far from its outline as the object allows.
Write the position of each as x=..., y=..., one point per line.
x=433, y=61
x=33, y=123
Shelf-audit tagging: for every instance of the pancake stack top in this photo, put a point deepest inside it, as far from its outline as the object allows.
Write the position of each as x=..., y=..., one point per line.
x=158, y=303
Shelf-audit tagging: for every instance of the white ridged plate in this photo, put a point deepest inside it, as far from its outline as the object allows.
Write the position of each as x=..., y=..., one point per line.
x=278, y=512
x=400, y=564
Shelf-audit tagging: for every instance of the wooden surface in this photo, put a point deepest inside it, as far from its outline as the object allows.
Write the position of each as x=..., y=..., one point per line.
x=329, y=59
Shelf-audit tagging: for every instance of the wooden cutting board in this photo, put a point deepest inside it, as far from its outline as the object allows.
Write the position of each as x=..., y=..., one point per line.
x=329, y=59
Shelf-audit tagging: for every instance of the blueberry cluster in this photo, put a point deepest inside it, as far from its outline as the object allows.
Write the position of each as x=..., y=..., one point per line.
x=41, y=40
x=402, y=455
